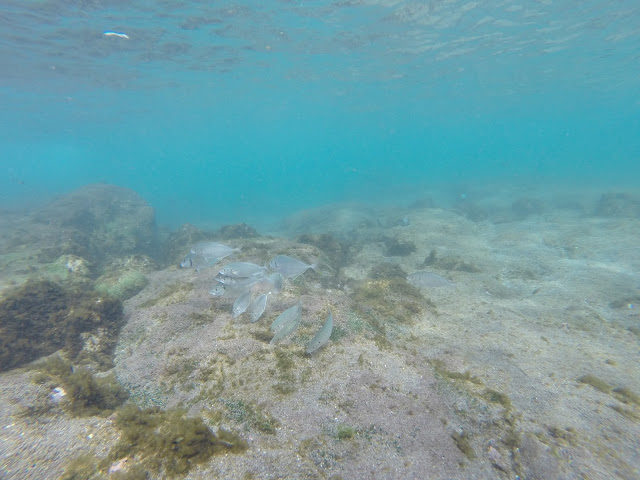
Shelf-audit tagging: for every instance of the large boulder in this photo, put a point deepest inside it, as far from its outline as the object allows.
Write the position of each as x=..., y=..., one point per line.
x=99, y=222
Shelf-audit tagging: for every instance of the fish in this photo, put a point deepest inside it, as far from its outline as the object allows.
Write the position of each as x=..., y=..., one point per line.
x=241, y=304
x=257, y=307
x=289, y=266
x=275, y=279
x=322, y=337
x=289, y=327
x=222, y=290
x=241, y=269
x=288, y=316
x=218, y=290
x=213, y=250
x=206, y=254
x=197, y=261
x=238, y=281
x=427, y=280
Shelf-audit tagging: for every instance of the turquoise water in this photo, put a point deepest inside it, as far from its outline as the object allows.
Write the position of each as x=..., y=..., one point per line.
x=248, y=111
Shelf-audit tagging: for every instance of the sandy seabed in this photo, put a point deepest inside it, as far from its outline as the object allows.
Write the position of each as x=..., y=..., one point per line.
x=526, y=366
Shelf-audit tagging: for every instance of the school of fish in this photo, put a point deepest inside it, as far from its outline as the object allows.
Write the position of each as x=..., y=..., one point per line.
x=237, y=280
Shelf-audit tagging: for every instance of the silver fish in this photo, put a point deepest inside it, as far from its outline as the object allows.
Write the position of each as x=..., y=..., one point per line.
x=290, y=315
x=222, y=290
x=241, y=269
x=241, y=304
x=275, y=279
x=238, y=281
x=289, y=266
x=256, y=309
x=287, y=328
x=218, y=290
x=427, y=280
x=322, y=337
x=197, y=261
x=213, y=250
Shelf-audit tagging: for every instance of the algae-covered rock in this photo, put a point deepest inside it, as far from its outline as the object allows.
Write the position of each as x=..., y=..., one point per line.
x=240, y=230
x=394, y=247
x=100, y=221
x=125, y=277
x=178, y=243
x=169, y=442
x=122, y=286
x=41, y=317
x=81, y=392
x=67, y=268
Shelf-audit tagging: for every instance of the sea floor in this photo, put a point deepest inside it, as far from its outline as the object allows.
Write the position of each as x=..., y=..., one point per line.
x=525, y=366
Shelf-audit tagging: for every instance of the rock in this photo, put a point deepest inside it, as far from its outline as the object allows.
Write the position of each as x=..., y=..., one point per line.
x=99, y=222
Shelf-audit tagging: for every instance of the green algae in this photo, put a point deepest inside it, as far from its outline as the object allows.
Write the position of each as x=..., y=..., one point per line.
x=387, y=270
x=464, y=444
x=626, y=412
x=441, y=371
x=168, y=442
x=81, y=468
x=452, y=263
x=285, y=371
x=596, y=383
x=250, y=415
x=122, y=286
x=482, y=401
x=564, y=436
x=86, y=394
x=398, y=248
x=626, y=395
x=345, y=432
x=499, y=398
x=390, y=299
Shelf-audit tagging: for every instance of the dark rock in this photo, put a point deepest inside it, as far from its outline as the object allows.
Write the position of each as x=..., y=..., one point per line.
x=618, y=205
x=240, y=230
x=178, y=243
x=471, y=211
x=387, y=270
x=523, y=207
x=398, y=248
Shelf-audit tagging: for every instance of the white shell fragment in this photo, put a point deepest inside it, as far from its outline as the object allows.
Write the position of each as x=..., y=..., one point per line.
x=322, y=337
x=116, y=34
